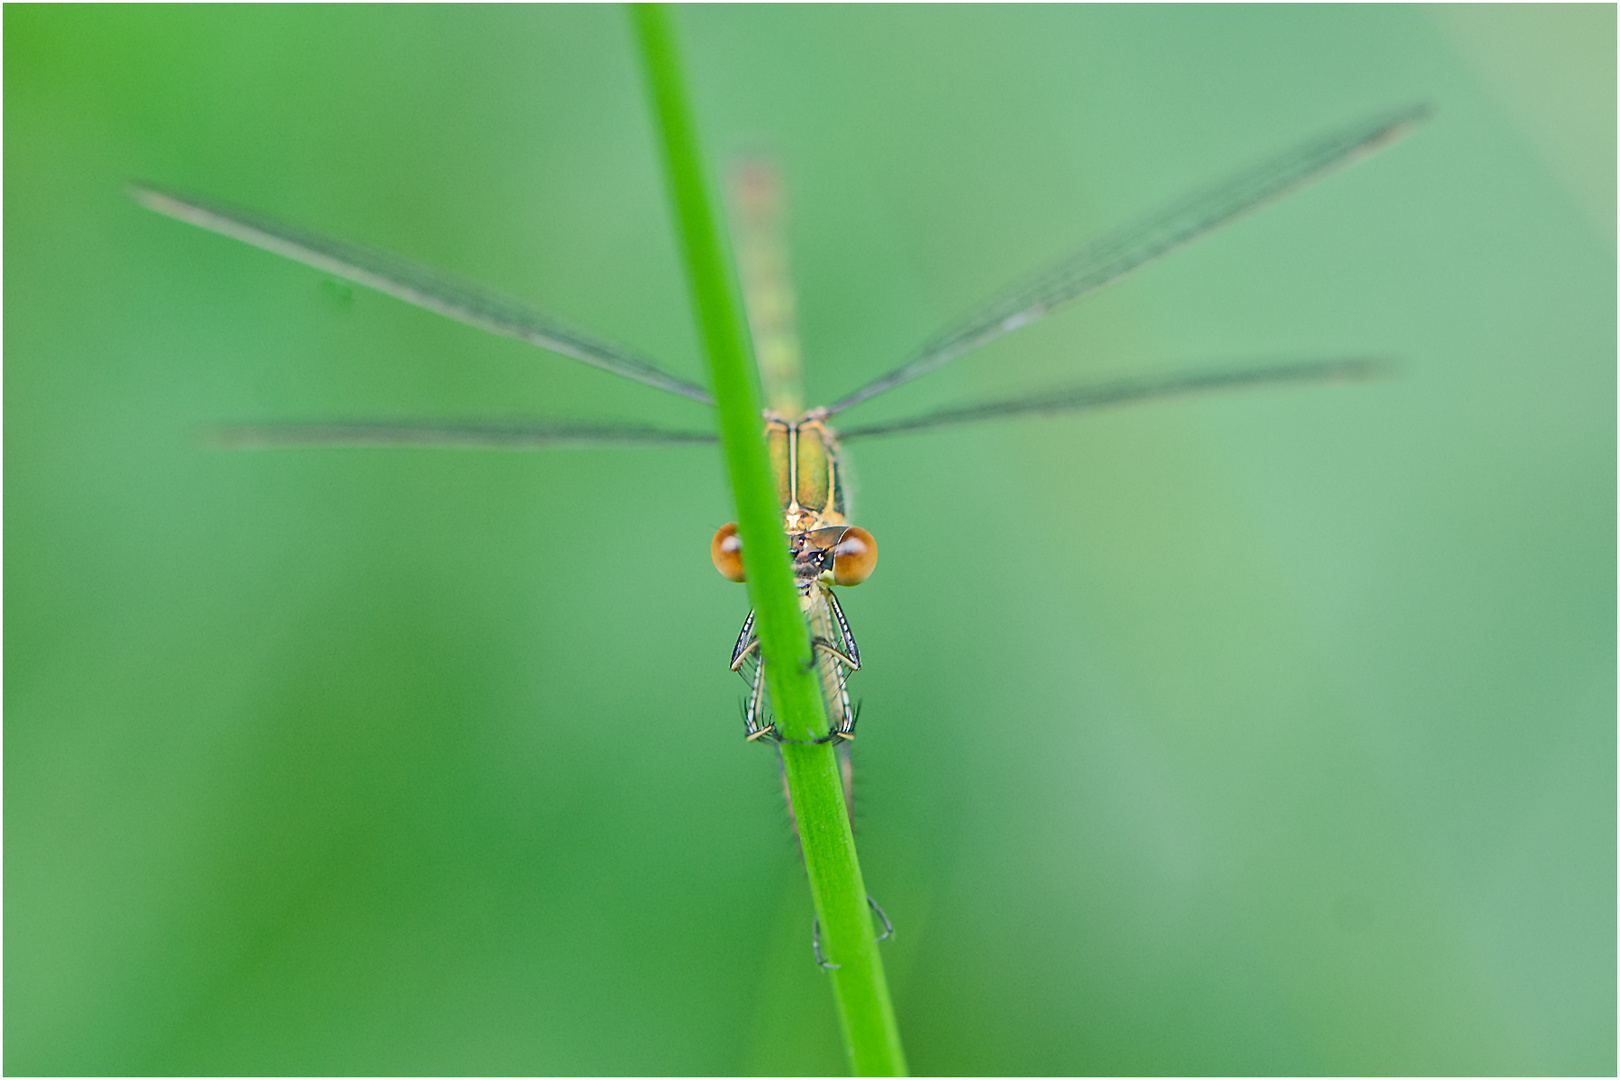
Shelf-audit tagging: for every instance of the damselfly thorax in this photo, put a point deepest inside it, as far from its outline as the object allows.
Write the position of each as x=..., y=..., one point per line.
x=826, y=550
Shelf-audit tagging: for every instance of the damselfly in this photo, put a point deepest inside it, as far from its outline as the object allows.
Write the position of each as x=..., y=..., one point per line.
x=828, y=550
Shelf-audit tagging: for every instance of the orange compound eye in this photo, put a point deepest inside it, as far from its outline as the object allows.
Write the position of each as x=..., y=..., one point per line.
x=855, y=557
x=726, y=551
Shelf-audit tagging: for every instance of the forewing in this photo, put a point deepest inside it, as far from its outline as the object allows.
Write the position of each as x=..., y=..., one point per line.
x=462, y=434
x=1125, y=391
x=1115, y=254
x=434, y=290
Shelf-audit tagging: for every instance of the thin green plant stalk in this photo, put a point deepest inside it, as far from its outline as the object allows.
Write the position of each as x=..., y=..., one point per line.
x=865, y=1012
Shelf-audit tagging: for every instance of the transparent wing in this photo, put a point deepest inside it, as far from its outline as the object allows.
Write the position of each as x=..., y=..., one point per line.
x=434, y=290
x=1098, y=395
x=1117, y=253
x=524, y=434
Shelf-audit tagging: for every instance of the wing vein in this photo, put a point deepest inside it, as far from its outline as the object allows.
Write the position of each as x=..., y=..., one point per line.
x=1117, y=253
x=517, y=434
x=434, y=290
x=1100, y=394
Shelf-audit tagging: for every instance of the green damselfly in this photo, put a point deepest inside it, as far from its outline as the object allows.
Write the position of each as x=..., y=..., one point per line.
x=828, y=549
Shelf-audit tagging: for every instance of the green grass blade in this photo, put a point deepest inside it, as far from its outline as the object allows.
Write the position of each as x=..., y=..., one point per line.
x=866, y=1016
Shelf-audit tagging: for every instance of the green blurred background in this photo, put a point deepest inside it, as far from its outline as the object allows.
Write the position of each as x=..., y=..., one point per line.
x=1260, y=733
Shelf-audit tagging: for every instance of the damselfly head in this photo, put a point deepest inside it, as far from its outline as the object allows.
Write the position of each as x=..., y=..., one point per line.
x=726, y=551
x=833, y=555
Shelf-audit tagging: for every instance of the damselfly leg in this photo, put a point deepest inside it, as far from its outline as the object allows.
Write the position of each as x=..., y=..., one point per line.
x=836, y=657
x=815, y=934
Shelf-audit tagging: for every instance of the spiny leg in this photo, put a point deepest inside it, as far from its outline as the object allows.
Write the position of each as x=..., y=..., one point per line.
x=831, y=648
x=850, y=654
x=842, y=662
x=853, y=658
x=842, y=724
x=843, y=728
x=888, y=927
x=747, y=643
x=748, y=648
x=846, y=776
x=815, y=944
x=753, y=730
x=843, y=657
x=815, y=934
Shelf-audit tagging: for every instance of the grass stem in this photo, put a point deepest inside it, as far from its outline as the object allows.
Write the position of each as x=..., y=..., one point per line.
x=866, y=1015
